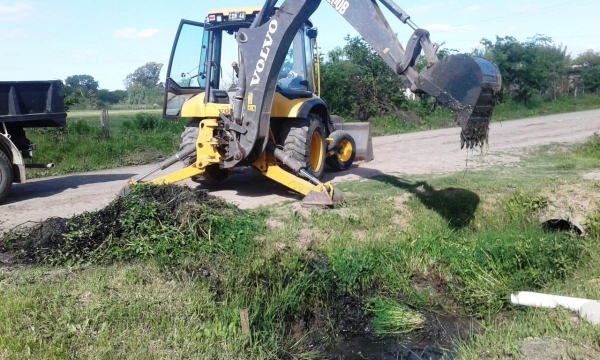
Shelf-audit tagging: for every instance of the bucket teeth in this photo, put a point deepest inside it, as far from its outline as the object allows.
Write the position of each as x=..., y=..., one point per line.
x=469, y=87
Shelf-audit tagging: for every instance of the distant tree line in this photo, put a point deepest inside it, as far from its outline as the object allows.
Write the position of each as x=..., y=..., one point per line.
x=143, y=87
x=356, y=83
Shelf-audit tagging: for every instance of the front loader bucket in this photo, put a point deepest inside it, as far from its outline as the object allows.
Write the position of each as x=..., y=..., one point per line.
x=361, y=133
x=469, y=87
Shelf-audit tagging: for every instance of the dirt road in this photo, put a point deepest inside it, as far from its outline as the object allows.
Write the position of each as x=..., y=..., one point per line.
x=435, y=151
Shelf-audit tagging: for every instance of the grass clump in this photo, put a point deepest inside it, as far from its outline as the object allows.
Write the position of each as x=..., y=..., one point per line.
x=393, y=318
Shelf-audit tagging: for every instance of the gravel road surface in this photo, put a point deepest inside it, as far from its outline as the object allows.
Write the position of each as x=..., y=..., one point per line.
x=436, y=151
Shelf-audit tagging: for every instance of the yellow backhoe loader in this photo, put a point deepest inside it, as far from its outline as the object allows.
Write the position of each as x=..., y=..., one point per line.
x=272, y=118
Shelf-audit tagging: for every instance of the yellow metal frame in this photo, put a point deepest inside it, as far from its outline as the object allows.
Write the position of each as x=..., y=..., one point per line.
x=206, y=154
x=267, y=165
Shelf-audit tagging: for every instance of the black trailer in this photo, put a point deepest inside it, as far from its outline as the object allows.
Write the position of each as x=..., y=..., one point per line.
x=25, y=104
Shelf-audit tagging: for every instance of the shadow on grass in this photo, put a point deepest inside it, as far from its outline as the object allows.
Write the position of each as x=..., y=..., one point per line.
x=457, y=206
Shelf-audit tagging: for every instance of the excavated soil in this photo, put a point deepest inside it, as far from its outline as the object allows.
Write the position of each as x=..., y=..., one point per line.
x=30, y=244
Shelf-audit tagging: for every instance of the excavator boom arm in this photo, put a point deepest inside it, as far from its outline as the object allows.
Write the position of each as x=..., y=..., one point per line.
x=467, y=86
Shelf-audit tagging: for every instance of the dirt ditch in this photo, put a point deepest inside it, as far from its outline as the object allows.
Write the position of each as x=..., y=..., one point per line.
x=81, y=237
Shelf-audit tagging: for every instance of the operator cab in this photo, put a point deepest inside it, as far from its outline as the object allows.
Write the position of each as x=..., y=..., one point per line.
x=205, y=58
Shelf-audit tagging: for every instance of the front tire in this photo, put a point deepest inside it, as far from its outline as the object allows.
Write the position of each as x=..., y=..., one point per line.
x=342, y=151
x=6, y=176
x=213, y=174
x=304, y=140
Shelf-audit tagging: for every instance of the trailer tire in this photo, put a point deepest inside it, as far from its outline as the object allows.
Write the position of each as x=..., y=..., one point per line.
x=213, y=173
x=6, y=176
x=342, y=151
x=304, y=140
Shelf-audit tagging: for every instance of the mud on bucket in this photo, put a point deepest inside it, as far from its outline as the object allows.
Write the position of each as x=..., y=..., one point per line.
x=469, y=87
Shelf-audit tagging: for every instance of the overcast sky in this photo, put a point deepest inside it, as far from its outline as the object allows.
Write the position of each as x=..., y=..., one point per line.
x=108, y=39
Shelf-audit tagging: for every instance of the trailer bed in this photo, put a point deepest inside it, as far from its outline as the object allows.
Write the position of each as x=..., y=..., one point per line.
x=32, y=103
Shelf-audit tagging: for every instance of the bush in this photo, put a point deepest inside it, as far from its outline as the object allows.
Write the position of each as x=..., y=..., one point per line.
x=151, y=122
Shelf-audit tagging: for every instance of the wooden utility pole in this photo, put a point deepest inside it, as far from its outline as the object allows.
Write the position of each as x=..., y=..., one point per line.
x=104, y=124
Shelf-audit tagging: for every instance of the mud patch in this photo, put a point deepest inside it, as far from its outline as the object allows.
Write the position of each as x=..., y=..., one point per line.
x=355, y=339
x=437, y=340
x=305, y=239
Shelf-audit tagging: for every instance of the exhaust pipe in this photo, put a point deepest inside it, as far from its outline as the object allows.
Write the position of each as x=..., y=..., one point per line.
x=39, y=166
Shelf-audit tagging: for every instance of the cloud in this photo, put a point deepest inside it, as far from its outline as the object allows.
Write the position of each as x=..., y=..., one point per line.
x=472, y=9
x=132, y=33
x=17, y=12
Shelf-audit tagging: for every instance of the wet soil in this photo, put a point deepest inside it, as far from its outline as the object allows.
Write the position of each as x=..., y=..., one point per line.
x=437, y=340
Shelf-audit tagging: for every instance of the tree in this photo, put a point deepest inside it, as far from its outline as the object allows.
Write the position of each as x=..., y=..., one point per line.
x=589, y=63
x=532, y=67
x=357, y=83
x=591, y=79
x=588, y=59
x=111, y=97
x=80, y=92
x=86, y=82
x=146, y=76
x=83, y=99
x=141, y=95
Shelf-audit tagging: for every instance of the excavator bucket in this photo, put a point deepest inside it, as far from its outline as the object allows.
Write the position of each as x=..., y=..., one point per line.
x=361, y=133
x=469, y=87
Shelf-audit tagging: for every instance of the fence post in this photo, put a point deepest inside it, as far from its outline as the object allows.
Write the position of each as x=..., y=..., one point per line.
x=104, y=124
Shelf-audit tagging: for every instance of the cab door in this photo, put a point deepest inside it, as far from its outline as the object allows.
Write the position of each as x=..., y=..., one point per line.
x=187, y=71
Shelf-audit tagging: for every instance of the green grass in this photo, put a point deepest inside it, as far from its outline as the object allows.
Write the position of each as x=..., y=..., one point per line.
x=116, y=117
x=135, y=139
x=457, y=244
x=393, y=318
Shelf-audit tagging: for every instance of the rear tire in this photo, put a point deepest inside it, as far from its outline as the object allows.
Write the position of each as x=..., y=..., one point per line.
x=213, y=174
x=304, y=140
x=342, y=149
x=6, y=176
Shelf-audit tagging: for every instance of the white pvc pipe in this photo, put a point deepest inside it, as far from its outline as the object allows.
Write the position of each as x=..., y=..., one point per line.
x=526, y=298
x=587, y=309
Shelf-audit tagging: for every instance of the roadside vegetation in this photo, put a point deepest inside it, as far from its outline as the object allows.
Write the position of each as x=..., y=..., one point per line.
x=139, y=138
x=135, y=139
x=165, y=272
